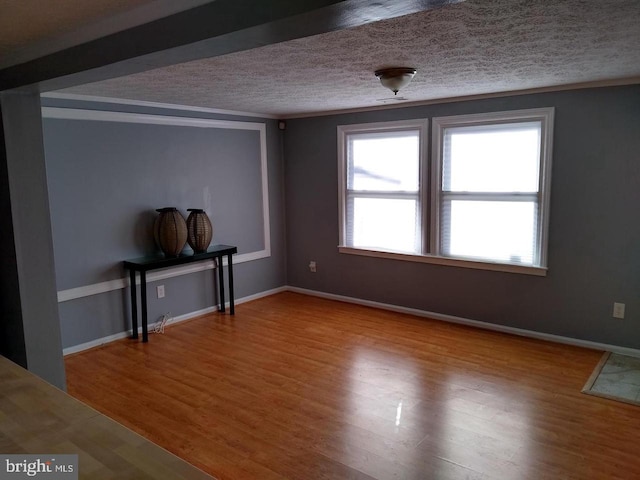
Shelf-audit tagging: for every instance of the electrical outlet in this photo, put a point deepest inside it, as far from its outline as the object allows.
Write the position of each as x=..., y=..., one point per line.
x=312, y=266
x=160, y=289
x=618, y=310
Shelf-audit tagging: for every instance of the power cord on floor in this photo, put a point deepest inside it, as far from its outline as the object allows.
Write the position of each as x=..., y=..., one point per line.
x=158, y=327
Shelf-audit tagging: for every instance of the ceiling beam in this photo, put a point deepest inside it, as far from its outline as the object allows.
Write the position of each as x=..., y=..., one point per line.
x=216, y=28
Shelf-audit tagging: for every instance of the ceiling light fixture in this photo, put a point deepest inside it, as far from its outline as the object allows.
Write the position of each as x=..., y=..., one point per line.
x=395, y=78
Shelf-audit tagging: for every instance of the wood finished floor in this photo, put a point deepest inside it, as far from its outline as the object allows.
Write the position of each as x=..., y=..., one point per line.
x=296, y=387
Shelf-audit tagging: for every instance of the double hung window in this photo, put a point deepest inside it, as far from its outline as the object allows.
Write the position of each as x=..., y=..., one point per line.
x=383, y=189
x=480, y=200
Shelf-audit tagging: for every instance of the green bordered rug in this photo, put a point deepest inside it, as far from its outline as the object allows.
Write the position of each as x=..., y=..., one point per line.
x=616, y=377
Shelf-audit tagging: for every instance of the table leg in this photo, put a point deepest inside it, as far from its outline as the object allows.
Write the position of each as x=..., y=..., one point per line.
x=143, y=301
x=134, y=304
x=221, y=283
x=231, y=298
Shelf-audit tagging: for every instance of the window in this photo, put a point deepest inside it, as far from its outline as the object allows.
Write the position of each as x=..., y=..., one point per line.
x=383, y=188
x=487, y=206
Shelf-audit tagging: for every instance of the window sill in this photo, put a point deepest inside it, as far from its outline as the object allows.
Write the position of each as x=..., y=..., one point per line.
x=451, y=262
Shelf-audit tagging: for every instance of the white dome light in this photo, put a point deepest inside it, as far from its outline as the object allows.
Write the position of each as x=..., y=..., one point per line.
x=395, y=78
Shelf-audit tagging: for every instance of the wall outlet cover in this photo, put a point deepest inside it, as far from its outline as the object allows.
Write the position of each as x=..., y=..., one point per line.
x=618, y=310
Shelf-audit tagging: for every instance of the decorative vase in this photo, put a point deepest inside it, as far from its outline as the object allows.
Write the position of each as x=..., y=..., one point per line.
x=199, y=230
x=170, y=231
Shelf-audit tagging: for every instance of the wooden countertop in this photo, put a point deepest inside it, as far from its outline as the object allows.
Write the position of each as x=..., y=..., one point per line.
x=38, y=418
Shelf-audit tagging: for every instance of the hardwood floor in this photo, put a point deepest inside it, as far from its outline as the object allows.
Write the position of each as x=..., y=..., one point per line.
x=297, y=387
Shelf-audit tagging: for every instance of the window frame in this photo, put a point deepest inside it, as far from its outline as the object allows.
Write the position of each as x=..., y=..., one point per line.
x=543, y=115
x=430, y=188
x=343, y=191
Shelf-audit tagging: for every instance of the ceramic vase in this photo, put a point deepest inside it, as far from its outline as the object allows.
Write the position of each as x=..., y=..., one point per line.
x=170, y=231
x=199, y=230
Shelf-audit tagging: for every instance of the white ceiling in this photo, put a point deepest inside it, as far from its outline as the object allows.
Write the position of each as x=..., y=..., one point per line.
x=473, y=48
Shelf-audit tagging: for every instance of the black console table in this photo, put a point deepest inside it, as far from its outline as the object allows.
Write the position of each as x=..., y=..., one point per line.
x=155, y=262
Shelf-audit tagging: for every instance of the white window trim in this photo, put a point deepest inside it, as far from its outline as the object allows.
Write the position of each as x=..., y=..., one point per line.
x=545, y=117
x=432, y=171
x=343, y=130
x=447, y=261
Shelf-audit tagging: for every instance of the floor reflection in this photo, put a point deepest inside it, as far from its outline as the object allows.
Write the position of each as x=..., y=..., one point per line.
x=485, y=425
x=384, y=386
x=409, y=422
x=398, y=413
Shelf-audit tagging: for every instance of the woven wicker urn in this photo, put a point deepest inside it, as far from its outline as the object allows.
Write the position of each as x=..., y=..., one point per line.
x=170, y=231
x=199, y=230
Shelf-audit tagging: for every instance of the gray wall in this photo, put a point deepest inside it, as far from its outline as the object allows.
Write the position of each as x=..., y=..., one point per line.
x=29, y=313
x=594, y=241
x=213, y=29
x=107, y=178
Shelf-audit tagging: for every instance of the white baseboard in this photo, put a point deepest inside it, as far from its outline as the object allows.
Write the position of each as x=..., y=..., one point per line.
x=266, y=293
x=473, y=323
x=95, y=343
x=177, y=319
x=384, y=306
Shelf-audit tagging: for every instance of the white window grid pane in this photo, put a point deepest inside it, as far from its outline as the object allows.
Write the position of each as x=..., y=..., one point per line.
x=389, y=222
x=493, y=227
x=384, y=161
x=492, y=158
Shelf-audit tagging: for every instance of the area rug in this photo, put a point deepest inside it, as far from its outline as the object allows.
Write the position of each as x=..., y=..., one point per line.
x=616, y=377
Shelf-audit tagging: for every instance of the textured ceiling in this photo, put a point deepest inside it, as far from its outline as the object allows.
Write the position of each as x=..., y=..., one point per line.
x=471, y=48
x=476, y=47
